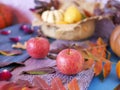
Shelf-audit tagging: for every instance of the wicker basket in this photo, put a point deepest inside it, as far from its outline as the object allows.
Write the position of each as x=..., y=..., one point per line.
x=77, y=31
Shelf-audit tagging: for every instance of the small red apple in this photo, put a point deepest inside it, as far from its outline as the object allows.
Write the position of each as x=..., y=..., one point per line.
x=38, y=47
x=70, y=61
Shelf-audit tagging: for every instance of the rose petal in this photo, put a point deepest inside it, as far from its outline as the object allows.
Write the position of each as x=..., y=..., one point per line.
x=23, y=27
x=32, y=9
x=5, y=32
x=15, y=39
x=27, y=29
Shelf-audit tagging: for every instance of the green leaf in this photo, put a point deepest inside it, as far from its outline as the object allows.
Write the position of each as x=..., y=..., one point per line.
x=10, y=52
x=34, y=72
x=40, y=71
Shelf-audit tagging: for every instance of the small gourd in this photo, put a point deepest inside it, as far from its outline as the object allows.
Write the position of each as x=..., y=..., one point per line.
x=5, y=16
x=72, y=15
x=115, y=40
x=52, y=16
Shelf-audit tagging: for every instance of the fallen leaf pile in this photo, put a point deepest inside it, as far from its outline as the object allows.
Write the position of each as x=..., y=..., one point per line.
x=96, y=54
x=39, y=84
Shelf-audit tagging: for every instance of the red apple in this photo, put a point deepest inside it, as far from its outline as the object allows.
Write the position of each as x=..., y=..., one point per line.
x=70, y=61
x=38, y=47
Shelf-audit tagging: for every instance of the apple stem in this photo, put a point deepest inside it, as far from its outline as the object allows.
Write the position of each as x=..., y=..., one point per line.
x=69, y=51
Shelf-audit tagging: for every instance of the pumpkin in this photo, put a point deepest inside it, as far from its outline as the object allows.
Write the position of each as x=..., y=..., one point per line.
x=5, y=16
x=118, y=69
x=115, y=40
x=52, y=16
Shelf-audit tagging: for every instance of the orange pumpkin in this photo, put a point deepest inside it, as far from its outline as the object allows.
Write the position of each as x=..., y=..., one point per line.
x=115, y=40
x=118, y=69
x=5, y=16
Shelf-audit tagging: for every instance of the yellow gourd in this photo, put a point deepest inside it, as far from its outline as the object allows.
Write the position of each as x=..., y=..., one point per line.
x=72, y=15
x=52, y=16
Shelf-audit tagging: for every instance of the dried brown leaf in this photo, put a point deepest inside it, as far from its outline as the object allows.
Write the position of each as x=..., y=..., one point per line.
x=19, y=45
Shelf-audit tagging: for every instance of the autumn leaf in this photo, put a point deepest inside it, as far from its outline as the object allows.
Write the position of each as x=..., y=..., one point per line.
x=10, y=52
x=40, y=71
x=19, y=45
x=7, y=85
x=23, y=83
x=73, y=85
x=98, y=68
x=41, y=84
x=27, y=88
x=88, y=64
x=56, y=84
x=107, y=68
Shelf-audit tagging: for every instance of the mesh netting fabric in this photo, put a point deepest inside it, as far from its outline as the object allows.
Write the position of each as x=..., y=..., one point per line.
x=84, y=78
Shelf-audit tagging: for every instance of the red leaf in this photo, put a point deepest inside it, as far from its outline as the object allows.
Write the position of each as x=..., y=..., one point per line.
x=98, y=68
x=88, y=64
x=41, y=84
x=73, y=85
x=26, y=88
x=10, y=86
x=107, y=68
x=56, y=84
x=3, y=83
x=23, y=83
x=87, y=13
